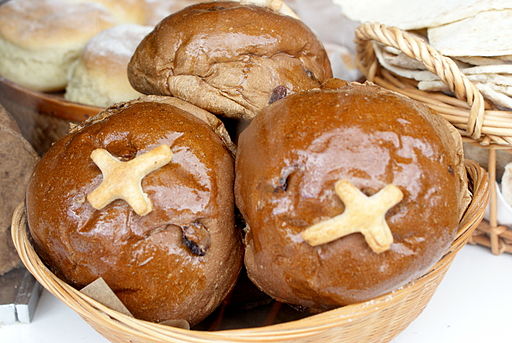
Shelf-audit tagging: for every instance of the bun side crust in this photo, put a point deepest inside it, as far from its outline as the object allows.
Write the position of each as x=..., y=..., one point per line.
x=289, y=160
x=228, y=58
x=153, y=263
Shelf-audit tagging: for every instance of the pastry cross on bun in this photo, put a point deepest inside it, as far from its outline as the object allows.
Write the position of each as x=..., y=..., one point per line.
x=325, y=176
x=362, y=214
x=122, y=180
x=40, y=39
x=227, y=57
x=179, y=260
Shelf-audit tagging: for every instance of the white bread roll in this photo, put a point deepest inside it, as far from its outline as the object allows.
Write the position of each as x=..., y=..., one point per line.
x=125, y=11
x=100, y=75
x=159, y=9
x=40, y=39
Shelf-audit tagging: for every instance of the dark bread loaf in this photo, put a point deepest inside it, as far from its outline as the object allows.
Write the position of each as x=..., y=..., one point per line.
x=17, y=159
x=288, y=162
x=177, y=262
x=228, y=58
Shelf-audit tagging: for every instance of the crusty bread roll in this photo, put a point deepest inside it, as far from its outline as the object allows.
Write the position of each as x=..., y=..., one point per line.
x=17, y=158
x=291, y=160
x=99, y=77
x=178, y=261
x=7, y=121
x=40, y=39
x=125, y=11
x=228, y=58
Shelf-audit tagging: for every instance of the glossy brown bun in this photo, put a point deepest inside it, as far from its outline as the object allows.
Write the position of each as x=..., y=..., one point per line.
x=152, y=263
x=288, y=161
x=228, y=58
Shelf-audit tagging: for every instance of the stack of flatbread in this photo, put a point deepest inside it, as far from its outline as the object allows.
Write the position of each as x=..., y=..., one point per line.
x=474, y=33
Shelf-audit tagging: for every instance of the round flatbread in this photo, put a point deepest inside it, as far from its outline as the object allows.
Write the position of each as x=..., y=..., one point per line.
x=471, y=36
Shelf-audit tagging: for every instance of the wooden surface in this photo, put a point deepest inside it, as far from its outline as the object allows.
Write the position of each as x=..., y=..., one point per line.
x=52, y=104
x=43, y=118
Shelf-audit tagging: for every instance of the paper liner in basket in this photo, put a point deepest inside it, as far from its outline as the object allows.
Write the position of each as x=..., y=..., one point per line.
x=102, y=293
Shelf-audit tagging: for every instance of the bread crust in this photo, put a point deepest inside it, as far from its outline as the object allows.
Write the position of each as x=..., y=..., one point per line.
x=152, y=262
x=291, y=156
x=228, y=58
x=99, y=77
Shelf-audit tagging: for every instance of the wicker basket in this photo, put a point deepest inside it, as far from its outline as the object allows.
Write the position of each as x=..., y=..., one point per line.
x=467, y=110
x=378, y=320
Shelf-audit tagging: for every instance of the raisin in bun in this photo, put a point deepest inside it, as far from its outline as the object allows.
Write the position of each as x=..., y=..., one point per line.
x=176, y=262
x=228, y=57
x=296, y=156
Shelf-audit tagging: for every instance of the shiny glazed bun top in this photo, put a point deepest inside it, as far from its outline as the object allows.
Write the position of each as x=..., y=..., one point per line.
x=228, y=58
x=176, y=262
x=298, y=151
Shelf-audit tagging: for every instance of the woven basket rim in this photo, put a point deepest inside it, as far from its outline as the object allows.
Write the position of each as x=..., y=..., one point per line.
x=309, y=326
x=466, y=110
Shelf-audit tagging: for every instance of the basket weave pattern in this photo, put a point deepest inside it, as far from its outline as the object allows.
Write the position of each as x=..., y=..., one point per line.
x=467, y=110
x=378, y=320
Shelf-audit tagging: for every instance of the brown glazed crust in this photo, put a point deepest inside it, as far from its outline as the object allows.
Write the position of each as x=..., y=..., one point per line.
x=227, y=58
x=287, y=163
x=215, y=123
x=144, y=259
